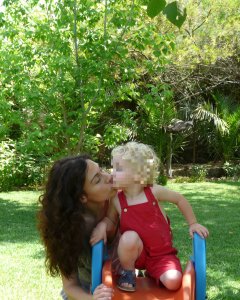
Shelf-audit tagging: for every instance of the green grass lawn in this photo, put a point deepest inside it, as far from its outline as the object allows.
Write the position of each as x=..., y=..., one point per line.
x=22, y=271
x=217, y=206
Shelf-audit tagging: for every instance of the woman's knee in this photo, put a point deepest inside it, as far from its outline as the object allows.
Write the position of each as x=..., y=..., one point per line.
x=171, y=279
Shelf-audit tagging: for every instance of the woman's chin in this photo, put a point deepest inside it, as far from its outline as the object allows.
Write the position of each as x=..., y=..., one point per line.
x=113, y=192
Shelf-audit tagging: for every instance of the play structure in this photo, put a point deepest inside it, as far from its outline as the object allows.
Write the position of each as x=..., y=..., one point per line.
x=193, y=283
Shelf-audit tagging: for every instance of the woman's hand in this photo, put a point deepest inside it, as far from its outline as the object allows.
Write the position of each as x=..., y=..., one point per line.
x=99, y=233
x=103, y=293
x=198, y=228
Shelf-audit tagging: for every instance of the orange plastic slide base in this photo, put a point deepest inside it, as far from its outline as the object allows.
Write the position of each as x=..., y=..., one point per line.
x=147, y=289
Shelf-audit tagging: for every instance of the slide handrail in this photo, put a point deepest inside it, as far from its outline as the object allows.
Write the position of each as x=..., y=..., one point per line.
x=198, y=258
x=199, y=261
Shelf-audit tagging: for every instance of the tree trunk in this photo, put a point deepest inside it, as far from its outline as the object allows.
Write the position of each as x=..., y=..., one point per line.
x=169, y=162
x=194, y=154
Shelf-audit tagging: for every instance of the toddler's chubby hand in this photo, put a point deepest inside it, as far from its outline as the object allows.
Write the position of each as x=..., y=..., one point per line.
x=99, y=233
x=198, y=228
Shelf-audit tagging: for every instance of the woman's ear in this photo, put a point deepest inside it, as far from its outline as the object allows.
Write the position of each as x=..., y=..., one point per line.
x=84, y=199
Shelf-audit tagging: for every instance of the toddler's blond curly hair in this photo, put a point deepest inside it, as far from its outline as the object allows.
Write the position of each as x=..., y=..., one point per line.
x=143, y=159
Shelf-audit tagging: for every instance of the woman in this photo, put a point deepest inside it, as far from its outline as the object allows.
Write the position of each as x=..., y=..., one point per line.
x=74, y=201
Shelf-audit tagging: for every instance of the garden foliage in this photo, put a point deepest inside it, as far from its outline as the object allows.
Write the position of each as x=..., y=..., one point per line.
x=83, y=76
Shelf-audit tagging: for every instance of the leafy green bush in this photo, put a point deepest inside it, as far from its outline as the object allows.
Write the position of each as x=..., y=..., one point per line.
x=18, y=170
x=162, y=180
x=232, y=170
x=198, y=173
x=184, y=179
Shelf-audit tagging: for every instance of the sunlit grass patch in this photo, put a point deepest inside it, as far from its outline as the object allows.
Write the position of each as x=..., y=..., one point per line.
x=217, y=206
x=23, y=274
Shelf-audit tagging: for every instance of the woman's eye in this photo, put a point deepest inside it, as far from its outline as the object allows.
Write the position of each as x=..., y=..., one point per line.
x=98, y=179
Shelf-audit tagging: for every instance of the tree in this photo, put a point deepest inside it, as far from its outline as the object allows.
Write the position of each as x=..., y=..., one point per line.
x=70, y=62
x=204, y=65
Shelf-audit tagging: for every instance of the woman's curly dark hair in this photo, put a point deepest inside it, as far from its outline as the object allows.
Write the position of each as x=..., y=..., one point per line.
x=60, y=219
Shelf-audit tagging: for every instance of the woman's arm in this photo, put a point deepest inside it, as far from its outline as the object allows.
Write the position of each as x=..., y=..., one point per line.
x=163, y=194
x=75, y=292
x=107, y=227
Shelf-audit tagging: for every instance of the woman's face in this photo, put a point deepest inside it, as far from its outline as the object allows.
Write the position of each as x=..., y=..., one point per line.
x=98, y=184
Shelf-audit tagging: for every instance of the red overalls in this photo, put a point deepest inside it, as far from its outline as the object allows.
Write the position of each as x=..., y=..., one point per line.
x=158, y=255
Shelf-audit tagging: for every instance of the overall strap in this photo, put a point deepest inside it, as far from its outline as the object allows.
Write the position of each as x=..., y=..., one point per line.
x=149, y=194
x=122, y=200
x=151, y=198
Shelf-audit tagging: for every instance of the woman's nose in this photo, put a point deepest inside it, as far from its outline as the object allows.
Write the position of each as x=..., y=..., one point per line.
x=108, y=177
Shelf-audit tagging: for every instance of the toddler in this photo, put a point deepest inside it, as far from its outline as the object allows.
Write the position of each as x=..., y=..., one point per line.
x=146, y=237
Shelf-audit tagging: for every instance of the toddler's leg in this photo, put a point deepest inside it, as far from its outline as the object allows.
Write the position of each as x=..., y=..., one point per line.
x=171, y=279
x=129, y=249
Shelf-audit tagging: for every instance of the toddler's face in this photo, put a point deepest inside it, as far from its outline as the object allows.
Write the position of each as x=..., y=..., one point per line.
x=123, y=173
